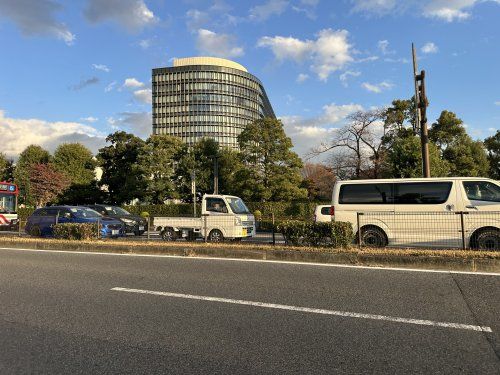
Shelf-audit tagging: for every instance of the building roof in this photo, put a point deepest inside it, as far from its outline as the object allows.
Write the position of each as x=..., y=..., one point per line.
x=204, y=60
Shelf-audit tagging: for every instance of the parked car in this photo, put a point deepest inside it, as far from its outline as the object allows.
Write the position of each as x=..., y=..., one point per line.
x=133, y=223
x=429, y=212
x=322, y=213
x=41, y=221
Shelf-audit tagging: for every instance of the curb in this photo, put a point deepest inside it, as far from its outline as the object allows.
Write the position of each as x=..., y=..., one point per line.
x=479, y=264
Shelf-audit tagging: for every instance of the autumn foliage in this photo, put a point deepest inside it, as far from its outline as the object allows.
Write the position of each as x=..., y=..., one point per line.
x=46, y=183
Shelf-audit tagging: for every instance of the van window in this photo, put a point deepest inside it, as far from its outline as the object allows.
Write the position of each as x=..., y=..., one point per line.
x=422, y=192
x=365, y=194
x=482, y=191
x=325, y=210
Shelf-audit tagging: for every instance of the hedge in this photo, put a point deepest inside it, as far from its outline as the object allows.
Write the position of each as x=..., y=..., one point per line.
x=307, y=233
x=281, y=210
x=75, y=231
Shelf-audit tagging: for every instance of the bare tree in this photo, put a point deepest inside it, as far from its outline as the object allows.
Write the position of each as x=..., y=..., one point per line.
x=320, y=180
x=358, y=146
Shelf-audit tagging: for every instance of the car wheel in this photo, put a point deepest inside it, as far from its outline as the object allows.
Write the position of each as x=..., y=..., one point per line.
x=373, y=237
x=168, y=234
x=487, y=239
x=216, y=236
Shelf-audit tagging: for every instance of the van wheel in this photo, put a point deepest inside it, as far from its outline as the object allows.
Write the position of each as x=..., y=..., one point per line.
x=168, y=234
x=373, y=237
x=486, y=239
x=216, y=236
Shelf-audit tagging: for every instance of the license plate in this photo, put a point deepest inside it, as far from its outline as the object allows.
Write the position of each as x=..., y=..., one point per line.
x=115, y=232
x=141, y=228
x=244, y=232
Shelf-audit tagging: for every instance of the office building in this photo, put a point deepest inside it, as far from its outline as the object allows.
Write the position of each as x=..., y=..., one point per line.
x=207, y=97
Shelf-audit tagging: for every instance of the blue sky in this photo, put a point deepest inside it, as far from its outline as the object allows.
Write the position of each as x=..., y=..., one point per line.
x=78, y=70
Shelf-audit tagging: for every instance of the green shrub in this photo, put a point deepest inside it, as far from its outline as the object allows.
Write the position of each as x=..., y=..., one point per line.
x=144, y=214
x=75, y=231
x=24, y=213
x=307, y=233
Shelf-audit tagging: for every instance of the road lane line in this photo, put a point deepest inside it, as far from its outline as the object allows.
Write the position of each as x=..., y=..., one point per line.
x=183, y=257
x=346, y=314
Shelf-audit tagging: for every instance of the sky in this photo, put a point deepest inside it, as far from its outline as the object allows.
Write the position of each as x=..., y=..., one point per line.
x=79, y=70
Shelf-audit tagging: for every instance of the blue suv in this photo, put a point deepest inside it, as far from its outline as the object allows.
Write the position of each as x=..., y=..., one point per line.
x=41, y=221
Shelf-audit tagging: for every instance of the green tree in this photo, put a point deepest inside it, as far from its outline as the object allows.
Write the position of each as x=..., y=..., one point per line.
x=465, y=156
x=120, y=173
x=76, y=162
x=272, y=169
x=404, y=159
x=158, y=162
x=6, y=168
x=492, y=145
x=30, y=156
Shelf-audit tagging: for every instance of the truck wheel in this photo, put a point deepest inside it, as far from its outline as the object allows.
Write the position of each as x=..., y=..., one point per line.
x=168, y=234
x=216, y=236
x=372, y=236
x=487, y=239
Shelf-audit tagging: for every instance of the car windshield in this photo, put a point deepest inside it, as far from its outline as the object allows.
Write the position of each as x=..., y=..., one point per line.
x=7, y=203
x=113, y=210
x=85, y=213
x=238, y=206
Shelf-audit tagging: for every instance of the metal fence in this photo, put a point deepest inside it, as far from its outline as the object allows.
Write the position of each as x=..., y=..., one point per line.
x=463, y=230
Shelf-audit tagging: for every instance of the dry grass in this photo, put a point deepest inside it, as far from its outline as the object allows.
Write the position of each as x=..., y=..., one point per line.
x=161, y=247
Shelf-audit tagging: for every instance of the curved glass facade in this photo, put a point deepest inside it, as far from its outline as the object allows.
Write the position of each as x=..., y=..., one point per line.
x=198, y=101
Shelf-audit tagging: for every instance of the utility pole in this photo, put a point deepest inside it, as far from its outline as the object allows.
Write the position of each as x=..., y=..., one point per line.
x=421, y=105
x=193, y=190
x=216, y=175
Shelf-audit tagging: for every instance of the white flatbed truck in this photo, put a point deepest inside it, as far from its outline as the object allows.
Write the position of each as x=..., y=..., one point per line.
x=223, y=217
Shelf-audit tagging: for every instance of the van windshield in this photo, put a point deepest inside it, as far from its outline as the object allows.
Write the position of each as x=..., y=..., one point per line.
x=238, y=206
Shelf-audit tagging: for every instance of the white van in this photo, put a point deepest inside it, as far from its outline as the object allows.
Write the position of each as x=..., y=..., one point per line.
x=322, y=213
x=424, y=212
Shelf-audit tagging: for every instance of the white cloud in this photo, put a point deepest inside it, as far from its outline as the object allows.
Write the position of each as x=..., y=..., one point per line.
x=36, y=17
x=139, y=123
x=377, y=87
x=110, y=87
x=383, y=46
x=497, y=102
x=268, y=9
x=84, y=83
x=134, y=15
x=197, y=19
x=145, y=43
x=429, y=47
x=143, y=96
x=449, y=11
x=132, y=83
x=17, y=134
x=401, y=60
x=302, y=77
x=344, y=77
x=330, y=52
x=102, y=67
x=89, y=119
x=379, y=7
x=220, y=45
x=335, y=113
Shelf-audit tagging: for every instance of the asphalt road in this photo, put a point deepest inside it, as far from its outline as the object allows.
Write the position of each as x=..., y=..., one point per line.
x=62, y=313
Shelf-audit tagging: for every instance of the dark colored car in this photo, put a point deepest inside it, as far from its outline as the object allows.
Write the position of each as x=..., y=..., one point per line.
x=133, y=223
x=41, y=221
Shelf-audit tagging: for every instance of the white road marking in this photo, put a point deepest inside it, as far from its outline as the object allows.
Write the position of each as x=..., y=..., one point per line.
x=346, y=314
x=373, y=268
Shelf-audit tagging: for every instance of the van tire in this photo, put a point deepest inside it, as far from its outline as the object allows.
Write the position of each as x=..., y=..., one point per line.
x=168, y=234
x=486, y=239
x=216, y=236
x=372, y=236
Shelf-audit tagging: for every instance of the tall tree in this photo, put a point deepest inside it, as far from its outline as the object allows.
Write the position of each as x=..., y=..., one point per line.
x=272, y=169
x=492, y=145
x=6, y=168
x=465, y=156
x=318, y=180
x=46, y=183
x=30, y=156
x=120, y=173
x=76, y=162
x=158, y=161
